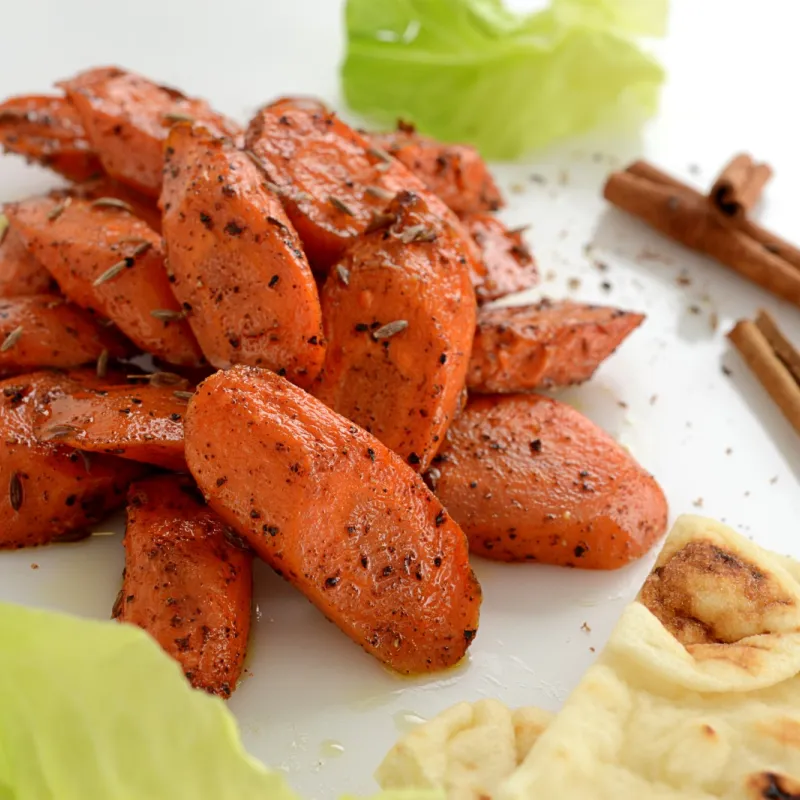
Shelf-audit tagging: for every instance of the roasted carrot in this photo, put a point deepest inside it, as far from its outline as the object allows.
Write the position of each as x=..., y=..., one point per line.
x=399, y=316
x=144, y=423
x=47, y=129
x=49, y=492
x=186, y=583
x=20, y=273
x=337, y=514
x=237, y=262
x=108, y=261
x=334, y=184
x=506, y=264
x=126, y=118
x=543, y=345
x=454, y=172
x=531, y=479
x=44, y=330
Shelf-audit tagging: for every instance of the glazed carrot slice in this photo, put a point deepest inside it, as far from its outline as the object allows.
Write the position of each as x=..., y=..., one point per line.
x=399, y=315
x=185, y=583
x=544, y=345
x=127, y=118
x=237, y=262
x=337, y=514
x=143, y=423
x=531, y=479
x=47, y=129
x=506, y=264
x=44, y=330
x=49, y=492
x=334, y=184
x=108, y=261
x=453, y=172
x=20, y=272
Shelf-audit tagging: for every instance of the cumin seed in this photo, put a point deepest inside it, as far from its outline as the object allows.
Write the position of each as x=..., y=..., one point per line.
x=111, y=202
x=176, y=116
x=113, y=271
x=380, y=154
x=344, y=274
x=379, y=192
x=167, y=315
x=3, y=227
x=11, y=339
x=417, y=233
x=340, y=205
x=60, y=431
x=102, y=364
x=390, y=329
x=184, y=395
x=15, y=491
x=56, y=212
x=380, y=221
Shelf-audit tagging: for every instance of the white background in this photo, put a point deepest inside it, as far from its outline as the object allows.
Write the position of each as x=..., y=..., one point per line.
x=312, y=702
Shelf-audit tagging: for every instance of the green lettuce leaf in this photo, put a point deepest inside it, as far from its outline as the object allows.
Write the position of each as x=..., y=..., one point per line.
x=471, y=71
x=92, y=710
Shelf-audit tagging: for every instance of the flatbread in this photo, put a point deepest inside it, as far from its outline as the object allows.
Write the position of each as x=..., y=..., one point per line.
x=696, y=696
x=467, y=750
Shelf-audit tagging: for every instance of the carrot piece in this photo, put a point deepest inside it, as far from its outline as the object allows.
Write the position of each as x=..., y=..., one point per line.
x=531, y=479
x=127, y=118
x=237, y=261
x=44, y=330
x=186, y=583
x=399, y=327
x=143, y=423
x=453, y=172
x=49, y=492
x=334, y=184
x=506, y=265
x=108, y=261
x=20, y=273
x=337, y=514
x=543, y=345
x=48, y=130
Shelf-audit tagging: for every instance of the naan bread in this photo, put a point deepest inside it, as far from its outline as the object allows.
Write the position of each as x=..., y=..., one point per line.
x=467, y=750
x=695, y=697
x=697, y=694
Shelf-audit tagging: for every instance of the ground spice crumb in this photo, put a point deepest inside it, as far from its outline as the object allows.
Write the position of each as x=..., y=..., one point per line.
x=728, y=451
x=683, y=280
x=606, y=286
x=591, y=650
x=773, y=479
x=574, y=283
x=727, y=371
x=698, y=503
x=34, y=566
x=585, y=627
x=653, y=399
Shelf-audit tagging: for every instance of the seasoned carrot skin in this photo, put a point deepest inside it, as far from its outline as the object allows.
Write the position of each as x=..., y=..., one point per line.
x=20, y=273
x=238, y=265
x=506, y=264
x=336, y=514
x=110, y=262
x=49, y=492
x=185, y=583
x=143, y=423
x=44, y=330
x=333, y=183
x=544, y=345
x=531, y=479
x=127, y=117
x=48, y=130
x=453, y=172
x=399, y=317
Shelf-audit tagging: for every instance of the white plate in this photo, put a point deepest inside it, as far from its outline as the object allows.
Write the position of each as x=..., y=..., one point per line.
x=312, y=702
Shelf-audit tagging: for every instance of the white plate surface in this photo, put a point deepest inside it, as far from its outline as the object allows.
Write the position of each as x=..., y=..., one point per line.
x=312, y=703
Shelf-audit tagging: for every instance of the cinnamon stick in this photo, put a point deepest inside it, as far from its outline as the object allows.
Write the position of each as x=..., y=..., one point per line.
x=770, y=370
x=782, y=347
x=738, y=187
x=685, y=215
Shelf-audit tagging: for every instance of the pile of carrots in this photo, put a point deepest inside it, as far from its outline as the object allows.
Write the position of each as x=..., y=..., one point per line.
x=325, y=390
